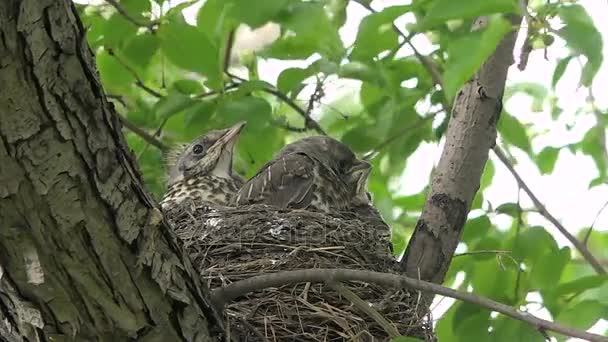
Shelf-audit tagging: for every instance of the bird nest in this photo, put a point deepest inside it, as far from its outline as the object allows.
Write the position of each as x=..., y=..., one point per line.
x=231, y=244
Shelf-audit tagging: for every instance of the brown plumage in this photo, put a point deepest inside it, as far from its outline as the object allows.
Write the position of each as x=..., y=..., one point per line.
x=311, y=173
x=202, y=170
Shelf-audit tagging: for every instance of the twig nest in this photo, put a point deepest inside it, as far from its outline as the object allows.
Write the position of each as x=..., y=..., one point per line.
x=231, y=244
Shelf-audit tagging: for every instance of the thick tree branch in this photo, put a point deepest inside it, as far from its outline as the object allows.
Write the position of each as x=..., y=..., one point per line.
x=580, y=246
x=243, y=287
x=472, y=128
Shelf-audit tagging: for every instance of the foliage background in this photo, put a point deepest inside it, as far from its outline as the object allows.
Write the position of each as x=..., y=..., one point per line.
x=162, y=64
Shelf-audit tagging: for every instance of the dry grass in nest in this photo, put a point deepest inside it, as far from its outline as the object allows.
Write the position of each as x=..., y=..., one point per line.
x=231, y=244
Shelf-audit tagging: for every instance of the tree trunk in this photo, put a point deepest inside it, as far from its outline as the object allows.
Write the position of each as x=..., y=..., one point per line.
x=84, y=254
x=470, y=135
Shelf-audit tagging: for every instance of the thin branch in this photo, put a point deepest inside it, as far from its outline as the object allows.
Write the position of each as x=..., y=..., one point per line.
x=426, y=61
x=597, y=266
x=362, y=305
x=138, y=81
x=151, y=26
x=143, y=134
x=588, y=234
x=242, y=287
x=308, y=121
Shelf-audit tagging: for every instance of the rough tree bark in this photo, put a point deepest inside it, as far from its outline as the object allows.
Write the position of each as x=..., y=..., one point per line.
x=83, y=253
x=470, y=135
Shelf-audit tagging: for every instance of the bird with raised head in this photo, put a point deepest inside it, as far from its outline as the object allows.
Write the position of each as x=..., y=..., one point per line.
x=202, y=170
x=311, y=173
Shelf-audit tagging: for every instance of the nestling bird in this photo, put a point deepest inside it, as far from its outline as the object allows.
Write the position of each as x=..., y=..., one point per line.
x=311, y=173
x=202, y=170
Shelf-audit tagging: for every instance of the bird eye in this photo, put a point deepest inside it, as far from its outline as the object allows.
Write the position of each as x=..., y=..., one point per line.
x=198, y=149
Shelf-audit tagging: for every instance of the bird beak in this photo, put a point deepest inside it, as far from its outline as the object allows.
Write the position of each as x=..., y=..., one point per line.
x=360, y=166
x=229, y=138
x=360, y=173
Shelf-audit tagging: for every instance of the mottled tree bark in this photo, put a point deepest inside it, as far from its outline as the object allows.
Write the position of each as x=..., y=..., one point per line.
x=470, y=135
x=83, y=253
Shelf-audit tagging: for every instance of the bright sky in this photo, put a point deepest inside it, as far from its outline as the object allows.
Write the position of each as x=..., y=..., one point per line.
x=565, y=193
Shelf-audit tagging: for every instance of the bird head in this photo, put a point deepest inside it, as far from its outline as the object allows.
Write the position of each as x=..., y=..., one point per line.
x=210, y=154
x=333, y=154
x=357, y=178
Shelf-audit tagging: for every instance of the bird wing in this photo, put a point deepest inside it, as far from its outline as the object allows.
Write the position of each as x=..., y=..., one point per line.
x=287, y=181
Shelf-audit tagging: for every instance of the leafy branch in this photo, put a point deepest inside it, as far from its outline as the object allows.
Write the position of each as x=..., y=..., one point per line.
x=580, y=246
x=230, y=292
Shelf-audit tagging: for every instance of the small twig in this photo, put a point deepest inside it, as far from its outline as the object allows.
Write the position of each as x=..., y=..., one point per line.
x=138, y=81
x=426, y=61
x=588, y=234
x=362, y=305
x=543, y=211
x=308, y=122
x=151, y=26
x=242, y=287
x=143, y=134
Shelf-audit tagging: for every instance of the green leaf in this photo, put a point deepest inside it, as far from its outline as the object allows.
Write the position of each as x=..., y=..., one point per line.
x=212, y=19
x=172, y=104
x=581, y=284
x=255, y=110
x=547, y=271
x=117, y=31
x=411, y=202
x=514, y=132
x=310, y=31
x=444, y=10
x=546, y=159
x=472, y=326
x=507, y=329
x=291, y=78
x=190, y=49
x=114, y=75
x=591, y=145
x=140, y=49
x=363, y=72
x=532, y=244
x=188, y=87
x=136, y=7
x=511, y=209
x=255, y=13
x=360, y=138
x=376, y=33
x=582, y=36
x=468, y=53
x=487, y=176
x=476, y=228
x=560, y=68
x=582, y=315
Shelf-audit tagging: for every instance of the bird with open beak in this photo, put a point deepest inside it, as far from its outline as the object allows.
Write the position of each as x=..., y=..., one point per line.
x=202, y=170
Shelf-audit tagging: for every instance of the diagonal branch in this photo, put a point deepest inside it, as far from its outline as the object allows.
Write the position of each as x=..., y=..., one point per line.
x=580, y=246
x=138, y=81
x=227, y=293
x=149, y=138
x=151, y=26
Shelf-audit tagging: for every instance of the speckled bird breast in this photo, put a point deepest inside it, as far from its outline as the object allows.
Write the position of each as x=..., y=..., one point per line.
x=211, y=189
